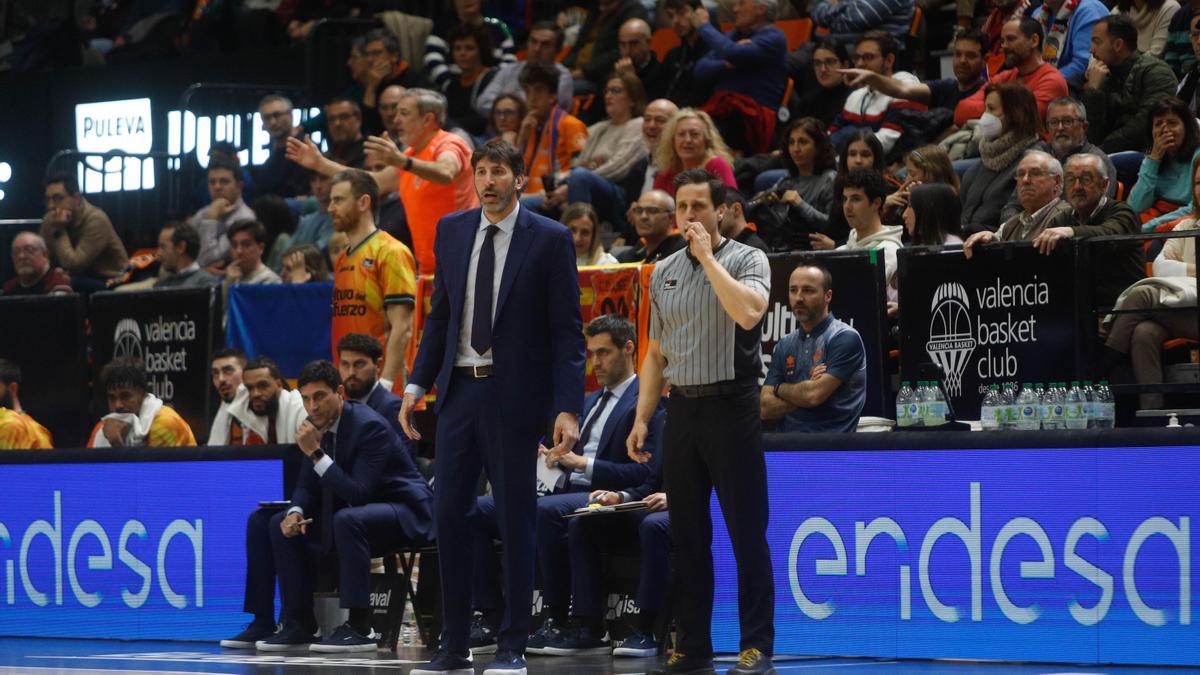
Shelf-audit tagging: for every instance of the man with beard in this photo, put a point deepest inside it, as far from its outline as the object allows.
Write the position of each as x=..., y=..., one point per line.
x=136, y=417
x=817, y=380
x=360, y=358
x=1001, y=13
x=18, y=431
x=343, y=117
x=225, y=370
x=264, y=409
x=1022, y=41
x=178, y=246
x=969, y=76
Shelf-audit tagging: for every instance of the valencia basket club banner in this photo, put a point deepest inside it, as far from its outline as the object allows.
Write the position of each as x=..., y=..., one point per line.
x=608, y=290
x=1009, y=314
x=171, y=332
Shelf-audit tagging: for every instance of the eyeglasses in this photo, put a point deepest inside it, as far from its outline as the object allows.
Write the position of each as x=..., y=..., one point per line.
x=375, y=53
x=269, y=117
x=1064, y=122
x=866, y=57
x=647, y=210
x=1032, y=174
x=826, y=63
x=28, y=249
x=1086, y=181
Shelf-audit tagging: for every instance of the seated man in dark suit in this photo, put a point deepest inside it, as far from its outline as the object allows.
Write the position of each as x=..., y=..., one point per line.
x=364, y=496
x=599, y=461
x=360, y=358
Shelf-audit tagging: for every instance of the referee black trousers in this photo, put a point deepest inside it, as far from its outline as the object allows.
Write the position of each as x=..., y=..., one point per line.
x=716, y=442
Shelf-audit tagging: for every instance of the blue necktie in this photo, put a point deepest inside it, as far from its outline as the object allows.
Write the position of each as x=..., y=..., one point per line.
x=481, y=323
x=587, y=428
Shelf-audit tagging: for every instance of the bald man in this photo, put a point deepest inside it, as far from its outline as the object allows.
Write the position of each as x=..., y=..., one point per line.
x=653, y=215
x=633, y=42
x=35, y=276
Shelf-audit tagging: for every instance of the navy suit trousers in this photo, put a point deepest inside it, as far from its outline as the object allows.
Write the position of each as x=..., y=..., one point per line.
x=588, y=535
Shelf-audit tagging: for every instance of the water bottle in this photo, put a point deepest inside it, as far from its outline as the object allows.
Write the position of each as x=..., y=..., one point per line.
x=904, y=400
x=1073, y=408
x=935, y=406
x=1058, y=410
x=1027, y=407
x=989, y=412
x=1089, y=404
x=1045, y=406
x=1106, y=416
x=1008, y=403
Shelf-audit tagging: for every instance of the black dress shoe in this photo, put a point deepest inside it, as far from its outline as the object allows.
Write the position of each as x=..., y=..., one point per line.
x=752, y=662
x=680, y=664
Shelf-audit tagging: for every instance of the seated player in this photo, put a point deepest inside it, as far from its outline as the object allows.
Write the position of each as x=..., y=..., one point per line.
x=225, y=370
x=135, y=416
x=18, y=431
x=360, y=360
x=264, y=409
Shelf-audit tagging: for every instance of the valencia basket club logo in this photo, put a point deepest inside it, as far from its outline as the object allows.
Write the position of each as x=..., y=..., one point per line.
x=127, y=339
x=951, y=334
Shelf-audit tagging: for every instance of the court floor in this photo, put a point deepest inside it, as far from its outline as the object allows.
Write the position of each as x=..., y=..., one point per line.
x=32, y=656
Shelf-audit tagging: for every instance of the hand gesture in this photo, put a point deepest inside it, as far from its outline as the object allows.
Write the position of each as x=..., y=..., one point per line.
x=304, y=152
x=604, y=497
x=1049, y=238
x=792, y=197
x=699, y=242
x=820, y=242
x=566, y=432
x=1096, y=73
x=406, y=421
x=376, y=73
x=976, y=239
x=385, y=148
x=57, y=218
x=308, y=437
x=293, y=524
x=219, y=208
x=114, y=430
x=656, y=502
x=624, y=65
x=699, y=17
x=233, y=273
x=636, y=441
x=1165, y=142
x=856, y=77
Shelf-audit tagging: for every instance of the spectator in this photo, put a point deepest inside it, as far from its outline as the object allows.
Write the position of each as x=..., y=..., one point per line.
x=747, y=67
x=875, y=110
x=1164, y=183
x=1121, y=84
x=338, y=244
x=926, y=164
x=798, y=204
x=1039, y=189
x=653, y=215
x=302, y=264
x=389, y=102
x=466, y=16
x=248, y=241
x=595, y=52
x=550, y=138
x=392, y=218
x=472, y=54
x=545, y=41
x=1181, y=48
x=80, y=235
x=360, y=360
x=1188, y=91
x=385, y=67
x=581, y=219
x=35, y=276
x=264, y=411
x=278, y=176
x=638, y=59
x=1022, y=41
x=823, y=93
x=1001, y=13
x=863, y=192
x=18, y=431
x=1152, y=18
x=225, y=151
x=344, y=118
x=135, y=416
x=613, y=146
x=733, y=224
x=225, y=371
x=213, y=221
x=678, y=65
x=315, y=228
x=817, y=378
x=178, y=246
x=1119, y=264
x=1068, y=29
x=691, y=141
x=861, y=151
x=280, y=222
x=641, y=176
x=1010, y=126
x=859, y=16
x=504, y=121
x=933, y=216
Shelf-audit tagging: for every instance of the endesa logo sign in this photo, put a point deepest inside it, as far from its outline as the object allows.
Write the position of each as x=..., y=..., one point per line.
x=108, y=126
x=1079, y=555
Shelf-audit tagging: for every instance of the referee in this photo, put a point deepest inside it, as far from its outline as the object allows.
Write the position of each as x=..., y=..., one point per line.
x=707, y=302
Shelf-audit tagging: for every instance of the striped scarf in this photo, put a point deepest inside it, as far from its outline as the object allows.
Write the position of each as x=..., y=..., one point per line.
x=1056, y=30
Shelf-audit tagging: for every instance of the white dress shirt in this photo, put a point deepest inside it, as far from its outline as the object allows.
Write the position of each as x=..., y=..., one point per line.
x=591, y=445
x=325, y=462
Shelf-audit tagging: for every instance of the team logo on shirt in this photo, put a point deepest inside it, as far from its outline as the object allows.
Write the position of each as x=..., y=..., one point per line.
x=818, y=356
x=789, y=365
x=368, y=264
x=670, y=284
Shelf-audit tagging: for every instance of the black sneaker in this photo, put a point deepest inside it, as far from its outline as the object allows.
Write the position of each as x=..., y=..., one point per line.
x=753, y=662
x=445, y=663
x=680, y=664
x=254, y=631
x=637, y=645
x=291, y=636
x=483, y=638
x=346, y=639
x=506, y=663
x=549, y=631
x=578, y=642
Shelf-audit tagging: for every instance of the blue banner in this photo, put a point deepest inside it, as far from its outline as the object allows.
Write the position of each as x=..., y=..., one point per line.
x=1078, y=555
x=290, y=323
x=129, y=550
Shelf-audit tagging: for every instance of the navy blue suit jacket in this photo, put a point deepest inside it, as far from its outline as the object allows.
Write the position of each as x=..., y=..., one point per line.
x=537, y=331
x=369, y=467
x=388, y=405
x=613, y=470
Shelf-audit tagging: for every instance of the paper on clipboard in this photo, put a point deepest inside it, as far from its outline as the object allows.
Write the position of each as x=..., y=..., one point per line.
x=595, y=509
x=551, y=478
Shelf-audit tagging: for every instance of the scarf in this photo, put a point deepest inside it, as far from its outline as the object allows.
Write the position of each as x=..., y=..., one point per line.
x=996, y=20
x=1056, y=30
x=1001, y=152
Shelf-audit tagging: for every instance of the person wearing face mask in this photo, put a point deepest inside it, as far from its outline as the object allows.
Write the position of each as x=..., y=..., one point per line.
x=1008, y=128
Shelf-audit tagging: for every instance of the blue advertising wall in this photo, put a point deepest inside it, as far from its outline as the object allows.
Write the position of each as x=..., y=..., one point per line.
x=1036, y=554
x=131, y=550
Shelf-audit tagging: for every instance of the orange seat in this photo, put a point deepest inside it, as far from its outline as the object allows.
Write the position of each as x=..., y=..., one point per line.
x=914, y=28
x=664, y=40
x=798, y=31
x=1178, y=342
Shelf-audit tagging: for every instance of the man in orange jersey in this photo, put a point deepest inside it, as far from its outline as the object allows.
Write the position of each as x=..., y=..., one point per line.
x=433, y=172
x=135, y=416
x=374, y=280
x=18, y=431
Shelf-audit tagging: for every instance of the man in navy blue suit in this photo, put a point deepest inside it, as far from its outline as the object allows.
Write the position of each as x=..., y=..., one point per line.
x=503, y=343
x=360, y=360
x=598, y=460
x=365, y=497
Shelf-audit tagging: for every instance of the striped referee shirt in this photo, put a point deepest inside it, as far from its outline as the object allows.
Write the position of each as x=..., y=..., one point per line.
x=702, y=344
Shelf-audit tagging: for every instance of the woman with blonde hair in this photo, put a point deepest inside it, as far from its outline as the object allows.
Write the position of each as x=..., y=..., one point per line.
x=691, y=141
x=581, y=219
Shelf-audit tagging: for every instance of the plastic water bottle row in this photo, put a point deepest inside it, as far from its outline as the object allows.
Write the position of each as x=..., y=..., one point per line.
x=924, y=406
x=1058, y=406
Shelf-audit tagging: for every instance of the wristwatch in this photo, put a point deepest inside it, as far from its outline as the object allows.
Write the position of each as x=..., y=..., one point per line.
x=408, y=163
x=317, y=455
x=776, y=389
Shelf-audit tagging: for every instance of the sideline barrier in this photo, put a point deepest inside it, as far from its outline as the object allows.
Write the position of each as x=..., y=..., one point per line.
x=1060, y=546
